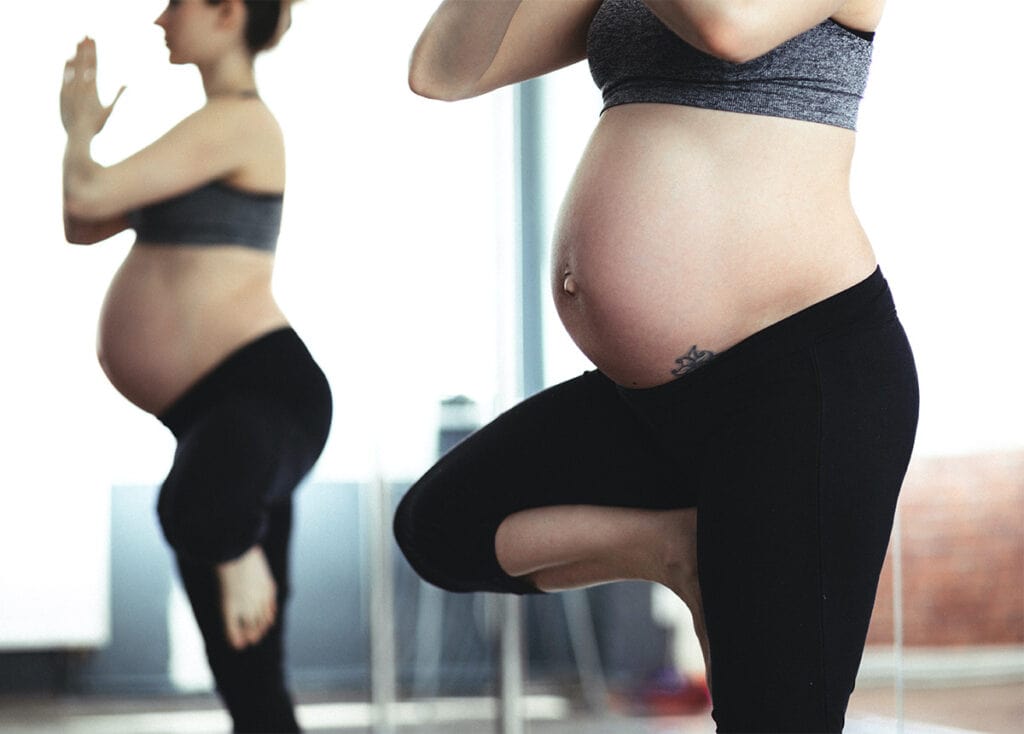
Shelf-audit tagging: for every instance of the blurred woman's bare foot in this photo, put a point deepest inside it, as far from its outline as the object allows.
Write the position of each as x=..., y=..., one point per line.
x=248, y=597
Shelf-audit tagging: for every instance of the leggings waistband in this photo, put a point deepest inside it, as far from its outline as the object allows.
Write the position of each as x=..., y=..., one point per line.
x=277, y=363
x=866, y=303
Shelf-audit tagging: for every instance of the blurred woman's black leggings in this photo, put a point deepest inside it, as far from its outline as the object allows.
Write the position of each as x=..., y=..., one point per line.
x=792, y=445
x=248, y=432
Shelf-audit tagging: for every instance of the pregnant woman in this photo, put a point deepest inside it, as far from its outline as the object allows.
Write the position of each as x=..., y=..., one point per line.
x=745, y=435
x=191, y=333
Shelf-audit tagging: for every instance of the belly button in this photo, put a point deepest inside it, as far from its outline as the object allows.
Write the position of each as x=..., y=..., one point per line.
x=569, y=284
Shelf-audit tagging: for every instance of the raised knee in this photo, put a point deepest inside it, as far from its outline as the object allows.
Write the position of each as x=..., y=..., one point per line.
x=168, y=510
x=417, y=535
x=180, y=524
x=447, y=541
x=201, y=531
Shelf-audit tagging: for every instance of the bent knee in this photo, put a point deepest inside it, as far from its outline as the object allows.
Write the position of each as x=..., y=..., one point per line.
x=206, y=531
x=421, y=538
x=449, y=543
x=185, y=527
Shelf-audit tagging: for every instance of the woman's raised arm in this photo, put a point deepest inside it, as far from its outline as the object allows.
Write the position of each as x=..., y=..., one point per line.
x=210, y=144
x=470, y=47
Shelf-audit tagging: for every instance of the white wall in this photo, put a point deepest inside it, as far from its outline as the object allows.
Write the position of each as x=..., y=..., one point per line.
x=938, y=183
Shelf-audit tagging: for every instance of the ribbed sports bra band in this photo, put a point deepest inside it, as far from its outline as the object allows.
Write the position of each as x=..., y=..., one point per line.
x=818, y=76
x=213, y=214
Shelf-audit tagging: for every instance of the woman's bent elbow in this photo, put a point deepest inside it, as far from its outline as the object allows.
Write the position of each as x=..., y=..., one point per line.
x=735, y=37
x=425, y=85
x=82, y=206
x=421, y=86
x=74, y=207
x=76, y=234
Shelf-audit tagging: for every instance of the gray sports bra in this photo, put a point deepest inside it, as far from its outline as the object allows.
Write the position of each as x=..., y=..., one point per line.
x=818, y=76
x=213, y=214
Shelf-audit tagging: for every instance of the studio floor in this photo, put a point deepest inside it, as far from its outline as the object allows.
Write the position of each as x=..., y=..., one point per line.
x=987, y=709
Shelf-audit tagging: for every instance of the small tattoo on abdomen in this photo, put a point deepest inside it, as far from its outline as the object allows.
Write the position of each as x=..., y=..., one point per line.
x=692, y=360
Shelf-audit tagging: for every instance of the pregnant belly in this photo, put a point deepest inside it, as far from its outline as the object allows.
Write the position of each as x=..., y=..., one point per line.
x=671, y=247
x=161, y=330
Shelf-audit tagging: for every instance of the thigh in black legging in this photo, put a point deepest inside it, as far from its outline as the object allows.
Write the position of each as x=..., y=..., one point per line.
x=213, y=503
x=248, y=432
x=574, y=443
x=796, y=509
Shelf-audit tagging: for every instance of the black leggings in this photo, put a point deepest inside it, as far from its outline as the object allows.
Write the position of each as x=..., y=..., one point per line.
x=792, y=445
x=248, y=432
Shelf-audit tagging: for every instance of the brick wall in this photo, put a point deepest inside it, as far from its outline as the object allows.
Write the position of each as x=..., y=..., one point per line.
x=963, y=554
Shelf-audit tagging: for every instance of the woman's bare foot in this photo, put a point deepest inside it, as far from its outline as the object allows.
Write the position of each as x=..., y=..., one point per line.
x=248, y=597
x=680, y=571
x=571, y=546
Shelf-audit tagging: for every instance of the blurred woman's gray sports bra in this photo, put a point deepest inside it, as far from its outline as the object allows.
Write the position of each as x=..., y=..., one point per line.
x=818, y=76
x=213, y=214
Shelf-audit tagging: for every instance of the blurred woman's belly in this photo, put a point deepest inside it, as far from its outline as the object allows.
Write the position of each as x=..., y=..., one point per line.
x=686, y=230
x=174, y=312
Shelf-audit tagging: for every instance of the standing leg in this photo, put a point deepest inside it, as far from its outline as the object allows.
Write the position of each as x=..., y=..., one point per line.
x=214, y=503
x=215, y=500
x=251, y=680
x=248, y=433
x=794, y=524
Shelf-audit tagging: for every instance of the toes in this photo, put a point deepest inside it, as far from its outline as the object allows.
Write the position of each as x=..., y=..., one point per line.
x=254, y=632
x=245, y=630
x=249, y=598
x=236, y=633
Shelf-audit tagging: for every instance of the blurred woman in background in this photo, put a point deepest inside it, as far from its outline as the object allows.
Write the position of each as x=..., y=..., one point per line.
x=190, y=332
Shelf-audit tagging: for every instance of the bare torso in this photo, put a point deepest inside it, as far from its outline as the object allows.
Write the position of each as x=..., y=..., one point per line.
x=173, y=312
x=689, y=227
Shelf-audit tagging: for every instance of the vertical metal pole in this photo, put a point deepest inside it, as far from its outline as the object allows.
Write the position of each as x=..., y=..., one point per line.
x=529, y=111
x=459, y=417
x=530, y=202
x=382, y=622
x=897, y=616
x=511, y=719
x=583, y=639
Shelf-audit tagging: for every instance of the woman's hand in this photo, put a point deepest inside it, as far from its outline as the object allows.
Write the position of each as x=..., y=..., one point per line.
x=80, y=108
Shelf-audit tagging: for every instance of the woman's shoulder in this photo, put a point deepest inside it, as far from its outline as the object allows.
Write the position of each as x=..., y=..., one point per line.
x=246, y=115
x=245, y=126
x=249, y=127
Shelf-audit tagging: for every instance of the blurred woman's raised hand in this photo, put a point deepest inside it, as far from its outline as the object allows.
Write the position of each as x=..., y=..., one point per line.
x=80, y=107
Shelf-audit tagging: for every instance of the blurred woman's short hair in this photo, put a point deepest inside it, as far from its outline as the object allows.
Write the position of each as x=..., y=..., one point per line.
x=262, y=22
